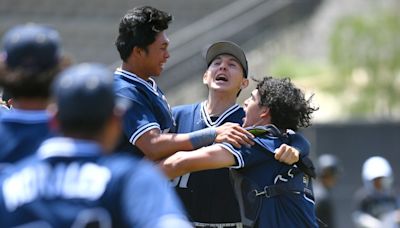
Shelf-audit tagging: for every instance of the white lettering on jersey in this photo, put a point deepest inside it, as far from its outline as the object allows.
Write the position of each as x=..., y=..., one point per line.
x=166, y=130
x=86, y=181
x=182, y=181
x=281, y=178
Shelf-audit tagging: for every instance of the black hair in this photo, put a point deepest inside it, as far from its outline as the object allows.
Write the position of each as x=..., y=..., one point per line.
x=83, y=127
x=139, y=28
x=288, y=106
x=22, y=82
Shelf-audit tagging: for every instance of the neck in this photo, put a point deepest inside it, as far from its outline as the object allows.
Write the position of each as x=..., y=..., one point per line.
x=218, y=103
x=135, y=70
x=30, y=104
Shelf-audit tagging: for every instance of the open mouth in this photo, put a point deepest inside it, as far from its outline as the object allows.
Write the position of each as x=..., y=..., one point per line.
x=221, y=77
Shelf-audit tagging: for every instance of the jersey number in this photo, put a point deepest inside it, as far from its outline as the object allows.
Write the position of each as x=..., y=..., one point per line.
x=181, y=181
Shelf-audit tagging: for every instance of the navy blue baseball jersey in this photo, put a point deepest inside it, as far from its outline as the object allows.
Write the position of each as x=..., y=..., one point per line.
x=207, y=195
x=272, y=193
x=149, y=109
x=71, y=183
x=21, y=134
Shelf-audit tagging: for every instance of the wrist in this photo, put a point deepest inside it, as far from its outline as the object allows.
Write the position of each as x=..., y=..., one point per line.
x=202, y=137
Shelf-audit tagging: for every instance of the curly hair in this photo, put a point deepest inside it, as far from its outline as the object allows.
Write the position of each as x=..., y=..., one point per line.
x=288, y=106
x=139, y=28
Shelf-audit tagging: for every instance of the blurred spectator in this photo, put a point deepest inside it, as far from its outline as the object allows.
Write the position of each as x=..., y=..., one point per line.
x=376, y=200
x=328, y=169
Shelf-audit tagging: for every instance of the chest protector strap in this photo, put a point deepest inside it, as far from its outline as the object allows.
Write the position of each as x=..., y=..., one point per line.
x=249, y=203
x=283, y=188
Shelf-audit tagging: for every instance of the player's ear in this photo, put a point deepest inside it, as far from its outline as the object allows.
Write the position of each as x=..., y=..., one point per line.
x=54, y=123
x=265, y=112
x=137, y=51
x=245, y=83
x=205, y=77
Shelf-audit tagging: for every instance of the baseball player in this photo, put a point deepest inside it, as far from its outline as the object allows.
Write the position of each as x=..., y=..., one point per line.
x=270, y=193
x=74, y=180
x=208, y=195
x=31, y=57
x=143, y=47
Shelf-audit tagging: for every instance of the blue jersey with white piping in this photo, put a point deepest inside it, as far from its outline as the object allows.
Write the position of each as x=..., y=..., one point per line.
x=258, y=165
x=149, y=109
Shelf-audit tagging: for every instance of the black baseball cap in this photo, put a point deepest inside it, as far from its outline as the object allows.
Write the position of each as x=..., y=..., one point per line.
x=230, y=48
x=31, y=46
x=84, y=93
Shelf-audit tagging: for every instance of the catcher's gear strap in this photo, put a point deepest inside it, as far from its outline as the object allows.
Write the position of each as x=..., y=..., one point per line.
x=249, y=204
x=304, y=164
x=218, y=225
x=283, y=188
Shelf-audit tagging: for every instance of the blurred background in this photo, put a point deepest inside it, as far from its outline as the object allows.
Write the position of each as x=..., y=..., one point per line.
x=344, y=52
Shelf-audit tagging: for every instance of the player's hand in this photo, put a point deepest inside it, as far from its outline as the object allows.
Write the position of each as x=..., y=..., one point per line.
x=287, y=154
x=234, y=134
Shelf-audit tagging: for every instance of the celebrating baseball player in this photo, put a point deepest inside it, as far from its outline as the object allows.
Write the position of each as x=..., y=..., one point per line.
x=208, y=195
x=270, y=193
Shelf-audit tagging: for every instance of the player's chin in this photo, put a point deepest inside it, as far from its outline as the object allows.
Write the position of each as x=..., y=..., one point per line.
x=157, y=73
x=220, y=87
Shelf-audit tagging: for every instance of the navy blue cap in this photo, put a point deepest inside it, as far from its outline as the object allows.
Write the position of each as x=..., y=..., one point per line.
x=31, y=46
x=84, y=93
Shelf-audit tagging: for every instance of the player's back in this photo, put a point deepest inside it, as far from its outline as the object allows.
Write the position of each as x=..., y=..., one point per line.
x=71, y=184
x=21, y=134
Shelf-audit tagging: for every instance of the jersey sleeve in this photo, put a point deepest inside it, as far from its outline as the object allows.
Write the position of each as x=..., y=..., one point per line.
x=139, y=118
x=245, y=156
x=299, y=142
x=149, y=200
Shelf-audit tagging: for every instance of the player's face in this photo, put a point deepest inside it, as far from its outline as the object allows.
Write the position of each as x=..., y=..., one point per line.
x=253, y=110
x=225, y=74
x=156, y=56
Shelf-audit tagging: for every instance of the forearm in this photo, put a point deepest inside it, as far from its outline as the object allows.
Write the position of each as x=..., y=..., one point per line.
x=173, y=166
x=158, y=146
x=211, y=157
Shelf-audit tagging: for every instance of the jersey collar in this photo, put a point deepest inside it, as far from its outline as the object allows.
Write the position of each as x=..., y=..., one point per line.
x=25, y=116
x=207, y=119
x=150, y=84
x=68, y=147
